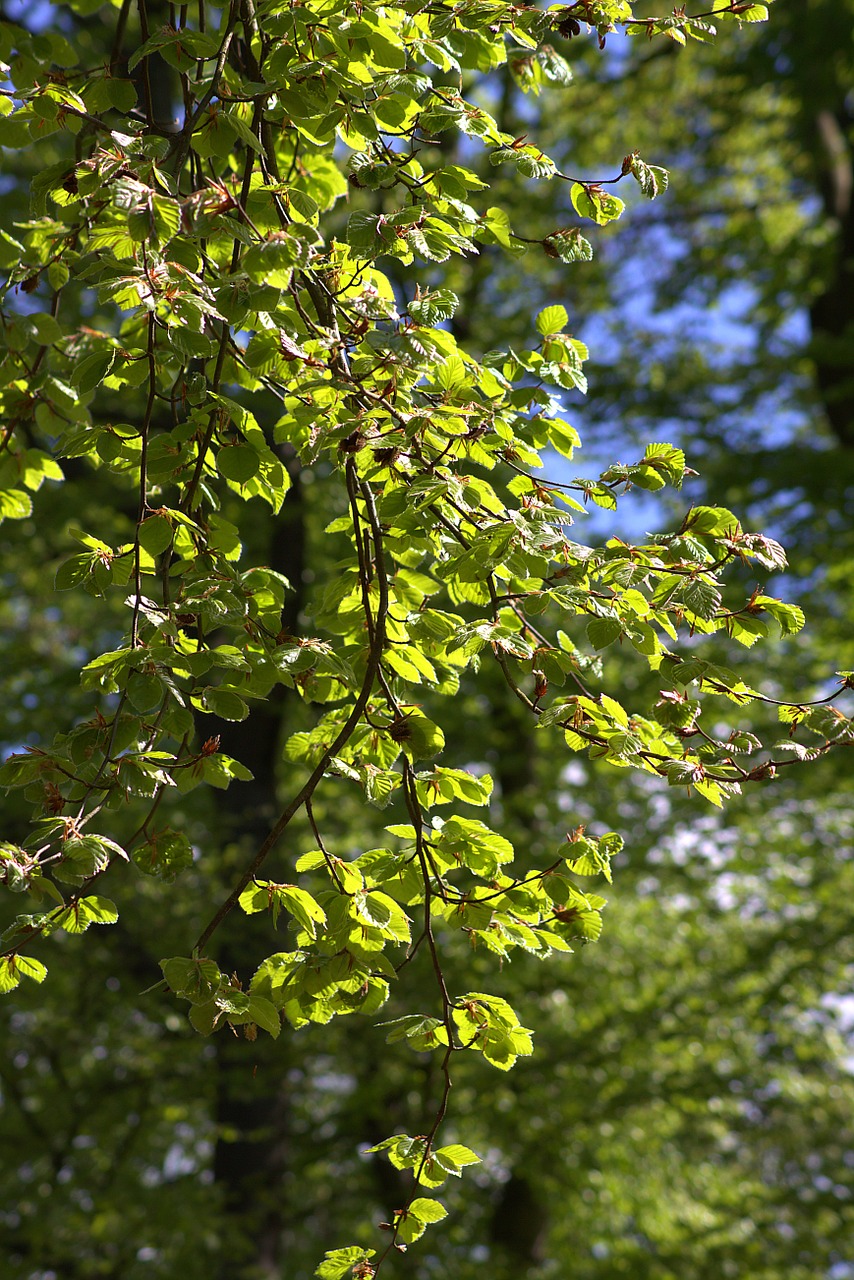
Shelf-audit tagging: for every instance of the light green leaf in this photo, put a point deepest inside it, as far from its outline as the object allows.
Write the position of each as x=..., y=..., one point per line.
x=552, y=320
x=338, y=1262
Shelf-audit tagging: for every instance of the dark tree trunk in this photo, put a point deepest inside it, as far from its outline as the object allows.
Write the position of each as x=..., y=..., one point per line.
x=832, y=312
x=252, y=1111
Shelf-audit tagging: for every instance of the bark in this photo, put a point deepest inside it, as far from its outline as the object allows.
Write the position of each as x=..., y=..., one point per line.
x=519, y=1221
x=251, y=1161
x=832, y=312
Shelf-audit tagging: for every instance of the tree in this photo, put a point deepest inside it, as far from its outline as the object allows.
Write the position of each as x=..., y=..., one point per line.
x=193, y=325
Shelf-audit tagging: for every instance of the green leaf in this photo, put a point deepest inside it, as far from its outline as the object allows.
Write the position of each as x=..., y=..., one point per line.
x=603, y=631
x=225, y=703
x=15, y=504
x=9, y=976
x=238, y=463
x=434, y=306
x=195, y=979
x=412, y=1222
x=590, y=201
x=459, y=1154
x=651, y=179
x=552, y=320
x=751, y=13
x=338, y=1262
x=420, y=738
x=29, y=967
x=166, y=854
x=15, y=967
x=91, y=371
x=47, y=328
x=302, y=906
x=428, y=1210
x=155, y=534
x=265, y=1014
x=701, y=597
x=83, y=912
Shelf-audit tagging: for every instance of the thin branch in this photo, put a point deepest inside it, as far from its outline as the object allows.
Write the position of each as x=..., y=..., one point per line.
x=344, y=734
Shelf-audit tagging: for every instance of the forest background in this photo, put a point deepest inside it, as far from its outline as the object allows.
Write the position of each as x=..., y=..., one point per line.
x=687, y=1113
